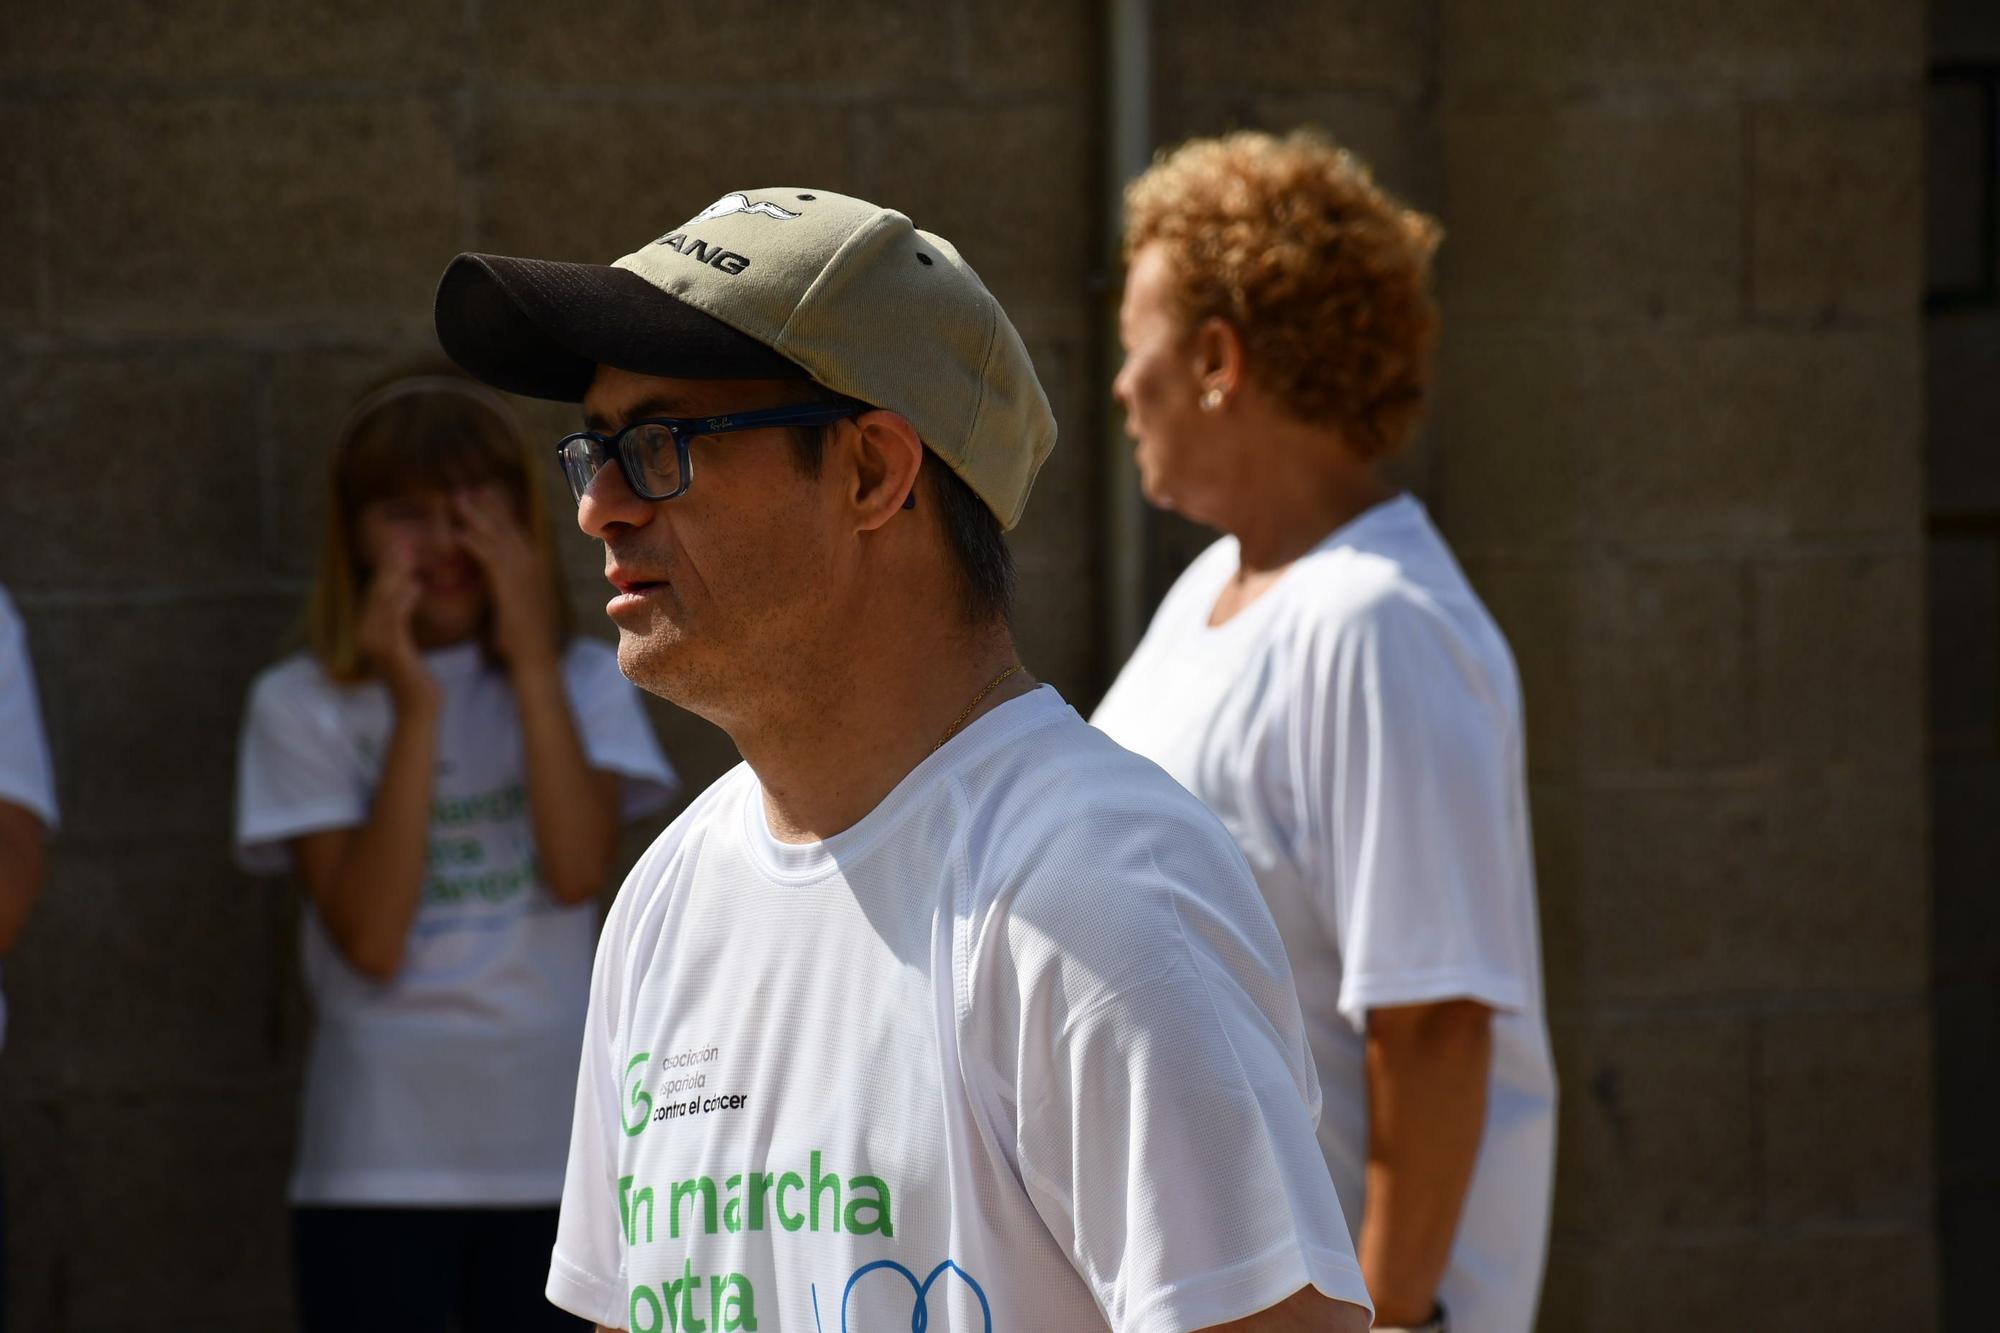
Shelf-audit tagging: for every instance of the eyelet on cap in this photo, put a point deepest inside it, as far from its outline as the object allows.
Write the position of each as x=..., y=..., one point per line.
x=808, y=198
x=923, y=259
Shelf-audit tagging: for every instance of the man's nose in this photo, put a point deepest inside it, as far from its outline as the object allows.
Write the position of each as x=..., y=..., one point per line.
x=607, y=502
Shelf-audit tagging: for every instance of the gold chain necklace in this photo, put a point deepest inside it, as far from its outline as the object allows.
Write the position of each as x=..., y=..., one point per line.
x=977, y=699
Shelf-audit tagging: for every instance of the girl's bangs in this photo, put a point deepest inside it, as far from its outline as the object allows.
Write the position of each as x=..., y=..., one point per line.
x=426, y=443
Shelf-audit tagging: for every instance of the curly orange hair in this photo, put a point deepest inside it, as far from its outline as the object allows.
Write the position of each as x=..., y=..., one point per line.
x=1324, y=276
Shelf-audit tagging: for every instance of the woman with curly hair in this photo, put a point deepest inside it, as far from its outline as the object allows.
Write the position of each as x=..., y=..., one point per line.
x=1325, y=678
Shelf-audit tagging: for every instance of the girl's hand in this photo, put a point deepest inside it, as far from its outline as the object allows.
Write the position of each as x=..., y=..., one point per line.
x=386, y=634
x=524, y=620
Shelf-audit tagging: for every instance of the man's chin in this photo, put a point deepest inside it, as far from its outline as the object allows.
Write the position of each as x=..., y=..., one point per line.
x=651, y=662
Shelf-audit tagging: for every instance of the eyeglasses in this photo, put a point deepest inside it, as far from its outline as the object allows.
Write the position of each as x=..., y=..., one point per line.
x=653, y=453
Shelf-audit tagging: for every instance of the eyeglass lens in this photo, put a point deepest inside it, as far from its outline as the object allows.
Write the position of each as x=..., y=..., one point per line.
x=650, y=457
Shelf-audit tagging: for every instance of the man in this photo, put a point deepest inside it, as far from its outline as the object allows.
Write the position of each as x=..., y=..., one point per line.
x=941, y=1010
x=1327, y=681
x=27, y=813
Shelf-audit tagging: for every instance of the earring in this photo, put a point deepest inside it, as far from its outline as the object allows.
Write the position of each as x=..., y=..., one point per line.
x=1211, y=400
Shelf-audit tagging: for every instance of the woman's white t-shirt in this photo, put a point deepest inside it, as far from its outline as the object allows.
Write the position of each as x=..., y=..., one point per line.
x=1017, y=1051
x=1358, y=729
x=451, y=1082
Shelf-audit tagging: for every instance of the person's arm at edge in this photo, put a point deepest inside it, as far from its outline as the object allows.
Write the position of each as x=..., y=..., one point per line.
x=1428, y=1066
x=23, y=861
x=366, y=882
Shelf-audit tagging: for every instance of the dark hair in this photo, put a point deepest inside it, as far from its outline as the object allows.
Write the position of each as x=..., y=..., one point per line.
x=985, y=565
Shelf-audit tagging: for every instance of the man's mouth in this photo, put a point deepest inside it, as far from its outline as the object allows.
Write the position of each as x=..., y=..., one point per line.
x=631, y=584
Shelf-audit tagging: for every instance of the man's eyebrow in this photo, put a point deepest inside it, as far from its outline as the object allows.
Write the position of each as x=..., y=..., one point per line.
x=660, y=405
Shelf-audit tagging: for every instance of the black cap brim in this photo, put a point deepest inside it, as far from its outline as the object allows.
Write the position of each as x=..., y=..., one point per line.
x=541, y=328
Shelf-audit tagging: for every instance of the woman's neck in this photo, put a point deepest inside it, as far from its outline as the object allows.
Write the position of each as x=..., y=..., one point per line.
x=1289, y=506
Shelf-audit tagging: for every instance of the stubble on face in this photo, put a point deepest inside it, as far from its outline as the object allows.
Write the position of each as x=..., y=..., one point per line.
x=732, y=648
x=729, y=630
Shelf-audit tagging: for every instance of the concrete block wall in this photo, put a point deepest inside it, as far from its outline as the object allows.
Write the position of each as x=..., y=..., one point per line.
x=1680, y=450
x=1678, y=446
x=1962, y=341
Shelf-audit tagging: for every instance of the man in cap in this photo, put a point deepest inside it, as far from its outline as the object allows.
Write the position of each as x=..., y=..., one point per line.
x=941, y=1009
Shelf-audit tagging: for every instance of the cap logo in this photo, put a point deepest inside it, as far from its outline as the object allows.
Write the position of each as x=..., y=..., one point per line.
x=726, y=261
x=740, y=203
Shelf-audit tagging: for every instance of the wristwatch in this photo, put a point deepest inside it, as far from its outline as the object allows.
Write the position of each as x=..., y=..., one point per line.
x=1437, y=1323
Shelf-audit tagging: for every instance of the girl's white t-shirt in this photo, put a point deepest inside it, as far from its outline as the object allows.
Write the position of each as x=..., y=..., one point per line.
x=1019, y=1050
x=1358, y=729
x=451, y=1082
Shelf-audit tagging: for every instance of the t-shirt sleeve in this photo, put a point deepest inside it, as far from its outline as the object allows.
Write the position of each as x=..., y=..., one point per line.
x=587, y=1267
x=617, y=737
x=25, y=776
x=1166, y=1095
x=297, y=770
x=1413, y=778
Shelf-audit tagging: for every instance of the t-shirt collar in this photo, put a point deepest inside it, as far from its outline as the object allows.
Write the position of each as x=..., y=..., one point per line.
x=798, y=861
x=456, y=659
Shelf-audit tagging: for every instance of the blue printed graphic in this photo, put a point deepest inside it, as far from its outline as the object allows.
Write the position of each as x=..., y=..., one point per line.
x=920, y=1310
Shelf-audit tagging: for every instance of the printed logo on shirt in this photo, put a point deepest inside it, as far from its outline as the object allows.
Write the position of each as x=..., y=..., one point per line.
x=685, y=1071
x=920, y=1310
x=459, y=858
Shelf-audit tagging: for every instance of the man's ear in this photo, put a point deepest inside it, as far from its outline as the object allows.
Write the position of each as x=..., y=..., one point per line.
x=1218, y=356
x=885, y=453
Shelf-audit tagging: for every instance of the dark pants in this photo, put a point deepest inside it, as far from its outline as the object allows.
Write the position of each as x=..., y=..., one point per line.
x=425, y=1270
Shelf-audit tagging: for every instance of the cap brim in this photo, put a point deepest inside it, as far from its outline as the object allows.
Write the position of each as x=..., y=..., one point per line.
x=541, y=328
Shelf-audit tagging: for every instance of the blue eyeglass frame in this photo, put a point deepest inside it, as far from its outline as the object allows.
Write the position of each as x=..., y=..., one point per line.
x=684, y=431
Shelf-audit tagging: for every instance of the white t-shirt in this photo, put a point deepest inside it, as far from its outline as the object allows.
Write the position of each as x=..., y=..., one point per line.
x=449, y=1083
x=25, y=778
x=1018, y=1051
x=1358, y=729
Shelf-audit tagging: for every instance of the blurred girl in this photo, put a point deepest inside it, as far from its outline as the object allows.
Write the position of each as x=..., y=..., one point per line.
x=444, y=769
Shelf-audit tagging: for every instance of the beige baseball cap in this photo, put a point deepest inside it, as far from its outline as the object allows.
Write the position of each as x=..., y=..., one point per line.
x=773, y=284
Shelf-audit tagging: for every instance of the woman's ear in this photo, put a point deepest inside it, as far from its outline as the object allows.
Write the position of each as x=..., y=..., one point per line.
x=1218, y=357
x=887, y=453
